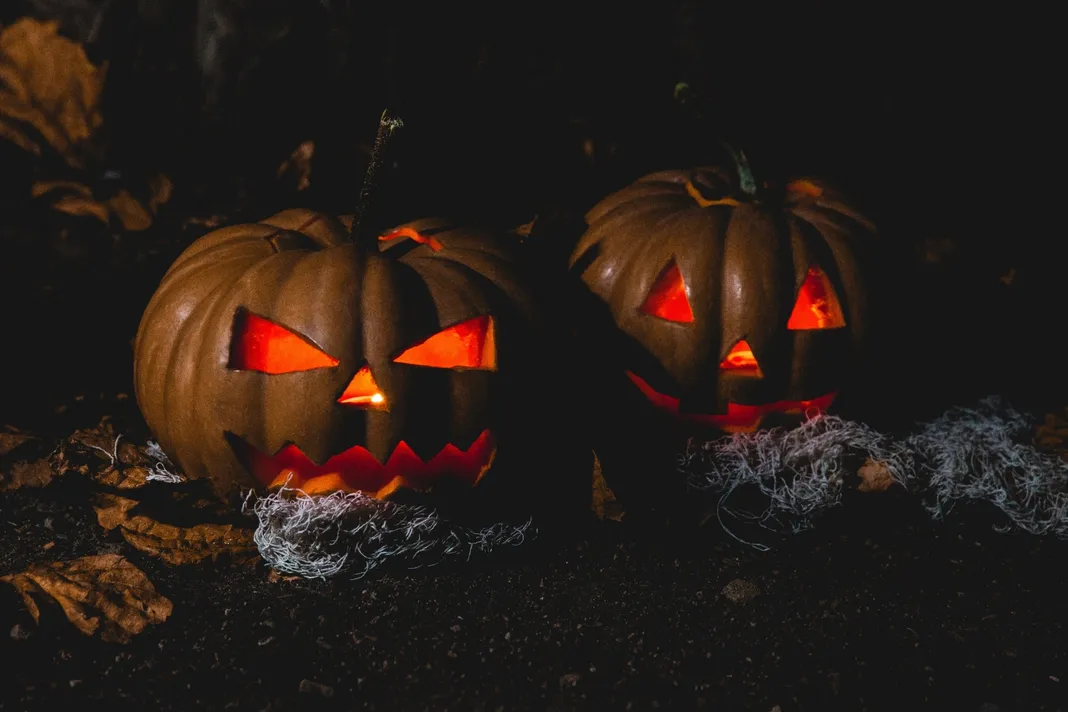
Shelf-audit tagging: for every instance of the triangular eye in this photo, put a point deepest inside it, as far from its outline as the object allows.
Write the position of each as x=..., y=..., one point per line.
x=258, y=344
x=363, y=391
x=469, y=344
x=817, y=305
x=740, y=360
x=668, y=298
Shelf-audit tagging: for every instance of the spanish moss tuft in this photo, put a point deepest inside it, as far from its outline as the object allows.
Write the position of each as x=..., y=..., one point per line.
x=966, y=454
x=352, y=534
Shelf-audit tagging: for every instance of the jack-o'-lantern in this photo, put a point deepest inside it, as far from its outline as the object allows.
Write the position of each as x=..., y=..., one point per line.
x=282, y=352
x=733, y=308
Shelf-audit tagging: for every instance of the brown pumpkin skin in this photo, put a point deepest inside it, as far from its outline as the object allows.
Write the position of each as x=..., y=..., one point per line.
x=743, y=261
x=299, y=270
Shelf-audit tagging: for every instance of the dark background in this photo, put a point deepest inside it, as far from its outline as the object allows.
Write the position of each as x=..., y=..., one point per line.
x=938, y=122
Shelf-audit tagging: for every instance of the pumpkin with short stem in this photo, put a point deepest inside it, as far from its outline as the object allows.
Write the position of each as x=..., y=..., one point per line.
x=732, y=308
x=282, y=352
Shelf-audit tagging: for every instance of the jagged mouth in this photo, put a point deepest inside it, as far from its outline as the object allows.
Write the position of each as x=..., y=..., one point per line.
x=739, y=418
x=357, y=470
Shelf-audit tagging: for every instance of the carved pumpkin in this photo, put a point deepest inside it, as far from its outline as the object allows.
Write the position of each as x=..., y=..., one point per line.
x=279, y=350
x=732, y=309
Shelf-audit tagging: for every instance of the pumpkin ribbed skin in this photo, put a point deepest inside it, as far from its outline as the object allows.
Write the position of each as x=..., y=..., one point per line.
x=744, y=262
x=299, y=270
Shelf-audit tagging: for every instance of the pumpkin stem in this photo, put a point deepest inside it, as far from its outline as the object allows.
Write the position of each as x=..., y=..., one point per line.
x=386, y=126
x=746, y=181
x=692, y=101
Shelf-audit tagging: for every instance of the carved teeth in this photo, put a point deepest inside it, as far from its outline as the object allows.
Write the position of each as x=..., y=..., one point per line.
x=356, y=469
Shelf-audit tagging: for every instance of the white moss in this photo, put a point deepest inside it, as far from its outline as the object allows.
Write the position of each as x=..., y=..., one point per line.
x=324, y=536
x=966, y=454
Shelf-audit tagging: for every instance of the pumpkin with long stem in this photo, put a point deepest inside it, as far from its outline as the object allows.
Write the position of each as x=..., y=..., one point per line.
x=308, y=350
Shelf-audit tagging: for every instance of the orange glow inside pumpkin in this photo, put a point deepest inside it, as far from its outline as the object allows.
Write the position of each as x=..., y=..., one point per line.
x=804, y=187
x=739, y=418
x=469, y=344
x=668, y=298
x=363, y=391
x=414, y=235
x=740, y=360
x=258, y=344
x=356, y=469
x=817, y=306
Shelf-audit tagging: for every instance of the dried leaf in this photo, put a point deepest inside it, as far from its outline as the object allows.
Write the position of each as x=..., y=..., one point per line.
x=605, y=504
x=11, y=440
x=100, y=438
x=103, y=594
x=97, y=453
x=49, y=91
x=298, y=166
x=123, y=478
x=122, y=208
x=274, y=577
x=211, y=222
x=1052, y=434
x=175, y=545
x=874, y=477
x=525, y=229
x=28, y=474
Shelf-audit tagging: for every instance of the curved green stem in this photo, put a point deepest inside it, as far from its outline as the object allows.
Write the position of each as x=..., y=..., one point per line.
x=386, y=126
x=746, y=180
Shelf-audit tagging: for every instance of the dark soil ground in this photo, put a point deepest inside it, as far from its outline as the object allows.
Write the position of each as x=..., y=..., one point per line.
x=879, y=608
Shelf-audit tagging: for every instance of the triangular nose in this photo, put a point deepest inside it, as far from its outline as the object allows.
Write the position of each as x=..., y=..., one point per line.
x=363, y=391
x=740, y=360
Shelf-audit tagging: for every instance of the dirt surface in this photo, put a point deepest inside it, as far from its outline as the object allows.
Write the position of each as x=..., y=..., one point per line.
x=878, y=609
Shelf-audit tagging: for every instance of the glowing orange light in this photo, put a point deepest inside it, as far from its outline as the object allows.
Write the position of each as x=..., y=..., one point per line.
x=741, y=360
x=469, y=344
x=816, y=306
x=411, y=234
x=667, y=299
x=739, y=418
x=363, y=391
x=261, y=345
x=804, y=187
x=356, y=469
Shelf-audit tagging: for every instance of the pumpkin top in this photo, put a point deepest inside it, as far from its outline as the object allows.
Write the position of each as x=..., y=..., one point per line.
x=712, y=186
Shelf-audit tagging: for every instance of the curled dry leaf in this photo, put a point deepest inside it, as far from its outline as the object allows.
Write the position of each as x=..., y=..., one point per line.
x=49, y=92
x=298, y=166
x=605, y=504
x=211, y=222
x=524, y=230
x=175, y=545
x=121, y=209
x=103, y=594
x=12, y=438
x=1052, y=434
x=27, y=474
x=274, y=577
x=874, y=477
x=107, y=458
x=17, y=468
x=97, y=453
